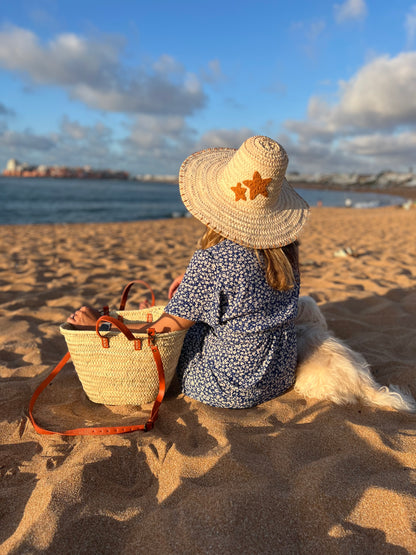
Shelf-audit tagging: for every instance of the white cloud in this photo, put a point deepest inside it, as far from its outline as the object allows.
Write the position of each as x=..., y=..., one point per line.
x=350, y=10
x=157, y=144
x=371, y=126
x=73, y=129
x=410, y=25
x=148, y=94
x=92, y=72
x=381, y=151
x=380, y=96
x=397, y=146
x=90, y=134
x=168, y=64
x=72, y=145
x=163, y=143
x=15, y=141
x=154, y=144
x=315, y=157
x=67, y=60
x=149, y=132
x=79, y=145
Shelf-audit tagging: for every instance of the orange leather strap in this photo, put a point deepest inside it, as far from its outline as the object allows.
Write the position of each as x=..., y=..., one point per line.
x=126, y=290
x=107, y=430
x=115, y=322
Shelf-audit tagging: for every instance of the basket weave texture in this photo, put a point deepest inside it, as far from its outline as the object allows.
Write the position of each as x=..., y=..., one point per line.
x=120, y=375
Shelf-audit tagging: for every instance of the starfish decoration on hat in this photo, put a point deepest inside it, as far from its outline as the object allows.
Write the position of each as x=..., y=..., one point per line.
x=240, y=192
x=257, y=185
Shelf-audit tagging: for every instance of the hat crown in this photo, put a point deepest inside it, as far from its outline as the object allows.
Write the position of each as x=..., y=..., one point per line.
x=267, y=151
x=257, y=154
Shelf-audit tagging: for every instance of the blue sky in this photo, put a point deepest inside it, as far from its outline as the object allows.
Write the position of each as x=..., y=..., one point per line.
x=140, y=85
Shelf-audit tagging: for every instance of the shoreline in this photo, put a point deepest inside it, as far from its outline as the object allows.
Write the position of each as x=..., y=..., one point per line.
x=405, y=192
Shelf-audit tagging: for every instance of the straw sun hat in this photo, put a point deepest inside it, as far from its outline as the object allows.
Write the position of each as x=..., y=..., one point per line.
x=243, y=194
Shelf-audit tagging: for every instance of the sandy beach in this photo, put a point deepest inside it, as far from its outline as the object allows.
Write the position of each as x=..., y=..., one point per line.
x=291, y=476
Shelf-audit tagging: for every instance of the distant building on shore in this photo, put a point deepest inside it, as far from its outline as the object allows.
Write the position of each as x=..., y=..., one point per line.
x=15, y=169
x=157, y=178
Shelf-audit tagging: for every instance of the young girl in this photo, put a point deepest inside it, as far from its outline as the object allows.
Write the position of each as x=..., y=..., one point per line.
x=239, y=294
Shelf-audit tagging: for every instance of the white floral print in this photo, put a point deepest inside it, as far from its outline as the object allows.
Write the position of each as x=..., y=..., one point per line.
x=242, y=350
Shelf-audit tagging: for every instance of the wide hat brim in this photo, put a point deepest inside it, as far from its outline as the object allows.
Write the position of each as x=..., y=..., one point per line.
x=202, y=192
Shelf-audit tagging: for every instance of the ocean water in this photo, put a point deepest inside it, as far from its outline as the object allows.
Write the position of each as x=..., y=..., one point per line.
x=37, y=200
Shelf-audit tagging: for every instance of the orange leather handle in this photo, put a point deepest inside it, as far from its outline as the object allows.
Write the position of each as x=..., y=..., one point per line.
x=126, y=291
x=117, y=323
x=108, y=430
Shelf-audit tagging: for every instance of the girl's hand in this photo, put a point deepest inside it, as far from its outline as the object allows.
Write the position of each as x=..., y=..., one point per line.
x=174, y=285
x=85, y=317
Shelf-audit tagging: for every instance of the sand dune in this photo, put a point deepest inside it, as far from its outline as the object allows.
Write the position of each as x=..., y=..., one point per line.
x=290, y=476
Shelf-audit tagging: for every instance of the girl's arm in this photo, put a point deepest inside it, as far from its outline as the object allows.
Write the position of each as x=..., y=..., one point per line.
x=174, y=285
x=164, y=324
x=86, y=317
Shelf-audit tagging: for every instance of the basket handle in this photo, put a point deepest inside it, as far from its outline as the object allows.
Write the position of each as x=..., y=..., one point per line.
x=126, y=291
x=108, y=430
x=122, y=327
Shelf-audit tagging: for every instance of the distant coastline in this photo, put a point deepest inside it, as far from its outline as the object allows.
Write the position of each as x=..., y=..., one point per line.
x=16, y=169
x=389, y=182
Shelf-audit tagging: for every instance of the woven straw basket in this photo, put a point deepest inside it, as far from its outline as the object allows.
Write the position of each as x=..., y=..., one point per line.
x=121, y=374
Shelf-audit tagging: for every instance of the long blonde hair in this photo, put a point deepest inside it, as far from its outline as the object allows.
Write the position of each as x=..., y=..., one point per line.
x=280, y=264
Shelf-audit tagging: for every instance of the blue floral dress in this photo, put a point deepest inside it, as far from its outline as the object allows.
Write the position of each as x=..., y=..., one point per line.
x=242, y=349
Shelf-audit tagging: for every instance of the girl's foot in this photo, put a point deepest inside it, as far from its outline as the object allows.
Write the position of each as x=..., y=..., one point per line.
x=84, y=318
